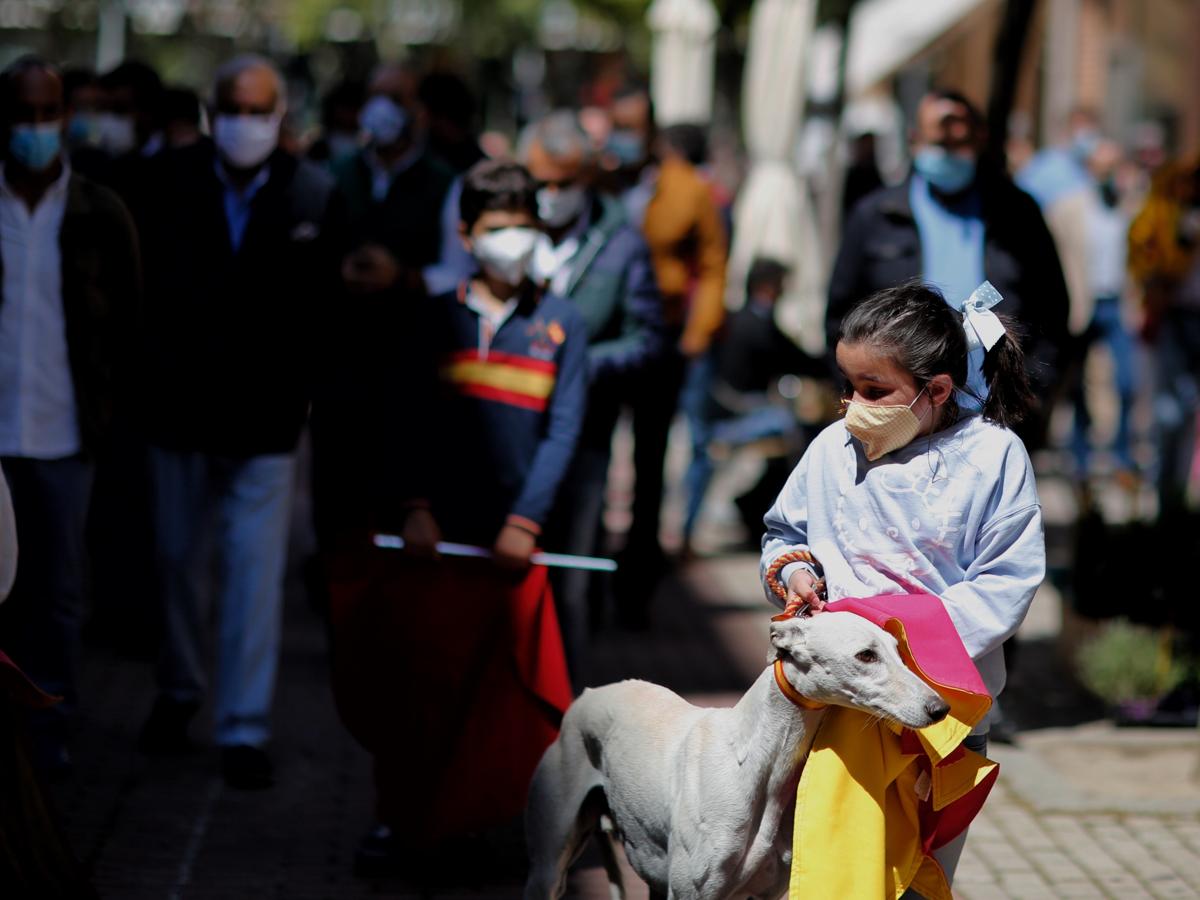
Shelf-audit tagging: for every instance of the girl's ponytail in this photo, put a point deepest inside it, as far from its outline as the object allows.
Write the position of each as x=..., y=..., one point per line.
x=1010, y=399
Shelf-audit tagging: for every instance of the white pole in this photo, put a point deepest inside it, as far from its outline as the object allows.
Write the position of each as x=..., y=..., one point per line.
x=110, y=34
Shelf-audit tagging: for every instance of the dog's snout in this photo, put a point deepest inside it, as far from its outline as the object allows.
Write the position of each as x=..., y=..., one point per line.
x=937, y=708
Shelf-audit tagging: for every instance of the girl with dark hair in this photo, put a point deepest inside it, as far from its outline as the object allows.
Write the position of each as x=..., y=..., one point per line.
x=922, y=488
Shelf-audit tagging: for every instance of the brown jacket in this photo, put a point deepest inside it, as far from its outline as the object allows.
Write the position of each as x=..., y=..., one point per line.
x=687, y=248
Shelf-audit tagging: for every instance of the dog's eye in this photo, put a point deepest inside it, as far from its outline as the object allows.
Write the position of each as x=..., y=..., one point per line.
x=867, y=656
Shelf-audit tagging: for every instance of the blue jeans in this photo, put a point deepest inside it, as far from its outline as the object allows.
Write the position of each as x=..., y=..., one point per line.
x=949, y=854
x=40, y=622
x=251, y=500
x=693, y=401
x=1106, y=326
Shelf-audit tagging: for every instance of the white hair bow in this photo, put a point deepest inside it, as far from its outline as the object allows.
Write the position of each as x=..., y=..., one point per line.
x=983, y=327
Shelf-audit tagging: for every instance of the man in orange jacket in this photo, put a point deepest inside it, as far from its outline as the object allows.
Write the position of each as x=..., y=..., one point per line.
x=673, y=204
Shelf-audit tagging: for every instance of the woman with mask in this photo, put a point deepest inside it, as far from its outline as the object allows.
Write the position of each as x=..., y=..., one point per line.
x=911, y=493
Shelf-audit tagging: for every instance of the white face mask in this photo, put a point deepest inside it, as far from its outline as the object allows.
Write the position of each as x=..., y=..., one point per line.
x=505, y=254
x=116, y=134
x=882, y=429
x=246, y=141
x=561, y=207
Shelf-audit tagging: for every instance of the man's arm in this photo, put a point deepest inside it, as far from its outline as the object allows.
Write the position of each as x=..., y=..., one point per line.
x=845, y=284
x=643, y=330
x=1045, y=304
x=707, y=310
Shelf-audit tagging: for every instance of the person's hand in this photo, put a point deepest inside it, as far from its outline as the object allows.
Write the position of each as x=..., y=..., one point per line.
x=802, y=587
x=513, y=548
x=691, y=345
x=421, y=534
x=370, y=269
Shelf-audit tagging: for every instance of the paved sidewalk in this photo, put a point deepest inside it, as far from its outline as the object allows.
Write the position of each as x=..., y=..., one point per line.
x=1081, y=810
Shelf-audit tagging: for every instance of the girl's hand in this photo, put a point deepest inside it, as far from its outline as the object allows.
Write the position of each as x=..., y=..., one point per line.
x=801, y=587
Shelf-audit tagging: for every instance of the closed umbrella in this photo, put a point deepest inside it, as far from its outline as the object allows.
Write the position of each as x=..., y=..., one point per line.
x=774, y=216
x=681, y=69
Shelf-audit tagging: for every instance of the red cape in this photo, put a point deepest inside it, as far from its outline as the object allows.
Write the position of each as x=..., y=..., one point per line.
x=453, y=676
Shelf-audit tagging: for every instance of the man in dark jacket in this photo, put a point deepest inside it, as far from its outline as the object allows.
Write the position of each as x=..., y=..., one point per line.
x=593, y=257
x=394, y=190
x=955, y=224
x=238, y=244
x=69, y=287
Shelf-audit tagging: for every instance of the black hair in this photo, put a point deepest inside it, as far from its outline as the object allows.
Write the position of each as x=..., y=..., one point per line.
x=636, y=89
x=181, y=104
x=689, y=139
x=144, y=84
x=973, y=111
x=496, y=184
x=446, y=95
x=925, y=336
x=345, y=94
x=765, y=271
x=75, y=78
x=20, y=67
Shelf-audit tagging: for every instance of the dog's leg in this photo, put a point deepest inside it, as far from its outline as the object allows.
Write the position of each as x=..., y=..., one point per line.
x=560, y=817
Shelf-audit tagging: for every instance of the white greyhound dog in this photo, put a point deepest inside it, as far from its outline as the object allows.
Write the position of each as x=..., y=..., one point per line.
x=703, y=799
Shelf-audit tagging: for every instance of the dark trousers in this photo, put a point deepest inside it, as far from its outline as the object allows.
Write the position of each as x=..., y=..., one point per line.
x=40, y=622
x=575, y=528
x=656, y=398
x=1176, y=399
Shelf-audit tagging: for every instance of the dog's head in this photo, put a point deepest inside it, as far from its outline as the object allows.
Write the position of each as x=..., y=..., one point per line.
x=842, y=659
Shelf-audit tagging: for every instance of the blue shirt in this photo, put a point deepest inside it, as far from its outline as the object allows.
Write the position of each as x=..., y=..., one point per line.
x=952, y=243
x=954, y=514
x=1052, y=174
x=237, y=203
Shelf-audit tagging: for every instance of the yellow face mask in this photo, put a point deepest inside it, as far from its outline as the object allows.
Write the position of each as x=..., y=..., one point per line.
x=882, y=429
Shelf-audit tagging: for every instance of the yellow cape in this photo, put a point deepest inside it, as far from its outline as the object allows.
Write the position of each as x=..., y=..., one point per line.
x=858, y=825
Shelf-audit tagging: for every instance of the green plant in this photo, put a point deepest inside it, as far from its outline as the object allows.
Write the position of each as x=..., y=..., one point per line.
x=1128, y=662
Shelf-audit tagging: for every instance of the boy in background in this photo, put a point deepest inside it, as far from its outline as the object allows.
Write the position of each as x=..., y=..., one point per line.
x=492, y=408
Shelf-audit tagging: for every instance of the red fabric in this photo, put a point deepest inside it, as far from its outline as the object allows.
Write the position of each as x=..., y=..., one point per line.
x=16, y=685
x=932, y=637
x=454, y=678
x=942, y=659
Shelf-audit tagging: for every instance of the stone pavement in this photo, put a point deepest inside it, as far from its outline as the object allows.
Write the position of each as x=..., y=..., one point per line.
x=1081, y=809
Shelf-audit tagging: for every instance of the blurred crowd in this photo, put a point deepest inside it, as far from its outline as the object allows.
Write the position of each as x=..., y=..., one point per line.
x=459, y=323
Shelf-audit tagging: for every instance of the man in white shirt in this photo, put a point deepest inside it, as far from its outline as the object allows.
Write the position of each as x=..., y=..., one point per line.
x=68, y=258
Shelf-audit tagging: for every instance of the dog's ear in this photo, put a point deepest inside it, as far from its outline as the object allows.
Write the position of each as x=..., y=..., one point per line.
x=788, y=637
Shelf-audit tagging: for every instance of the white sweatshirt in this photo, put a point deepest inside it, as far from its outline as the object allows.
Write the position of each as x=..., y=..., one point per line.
x=955, y=514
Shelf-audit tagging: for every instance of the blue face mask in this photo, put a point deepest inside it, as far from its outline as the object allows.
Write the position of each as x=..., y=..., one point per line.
x=948, y=172
x=35, y=146
x=384, y=120
x=627, y=146
x=83, y=130
x=1085, y=142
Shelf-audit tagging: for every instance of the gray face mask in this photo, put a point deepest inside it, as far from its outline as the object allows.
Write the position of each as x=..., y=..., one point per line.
x=117, y=134
x=561, y=207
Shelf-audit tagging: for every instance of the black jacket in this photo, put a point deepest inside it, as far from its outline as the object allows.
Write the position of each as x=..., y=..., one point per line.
x=881, y=248
x=408, y=220
x=101, y=291
x=229, y=337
